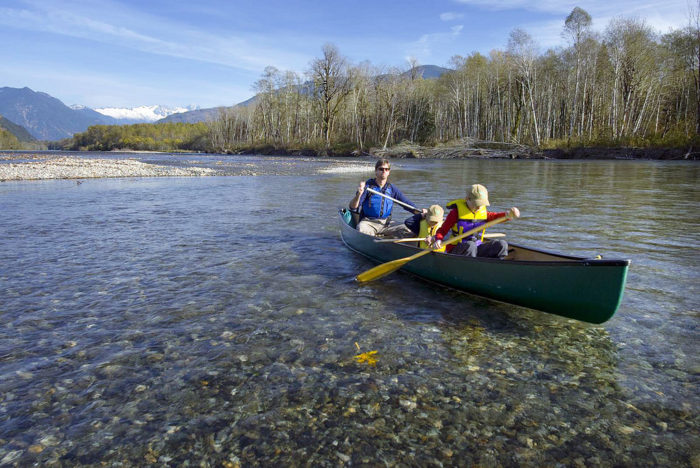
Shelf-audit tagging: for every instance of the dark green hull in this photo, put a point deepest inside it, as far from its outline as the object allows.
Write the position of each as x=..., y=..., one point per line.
x=583, y=289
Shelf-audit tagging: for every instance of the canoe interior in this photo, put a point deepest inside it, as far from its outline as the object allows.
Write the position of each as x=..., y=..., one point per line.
x=580, y=288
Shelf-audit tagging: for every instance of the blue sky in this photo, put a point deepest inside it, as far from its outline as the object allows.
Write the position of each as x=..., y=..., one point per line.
x=125, y=53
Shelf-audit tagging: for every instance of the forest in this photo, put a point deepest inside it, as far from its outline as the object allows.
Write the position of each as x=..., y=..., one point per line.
x=627, y=86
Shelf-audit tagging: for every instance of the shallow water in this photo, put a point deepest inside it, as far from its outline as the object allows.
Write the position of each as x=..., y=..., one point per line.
x=216, y=320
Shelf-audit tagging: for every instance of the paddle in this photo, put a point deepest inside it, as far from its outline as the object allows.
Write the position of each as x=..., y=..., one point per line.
x=393, y=199
x=488, y=235
x=405, y=239
x=389, y=267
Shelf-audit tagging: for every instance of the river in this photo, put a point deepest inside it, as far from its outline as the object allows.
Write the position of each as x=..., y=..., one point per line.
x=216, y=320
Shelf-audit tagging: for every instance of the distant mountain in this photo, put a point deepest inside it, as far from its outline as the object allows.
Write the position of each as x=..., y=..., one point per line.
x=194, y=116
x=44, y=116
x=94, y=115
x=18, y=131
x=142, y=114
x=428, y=72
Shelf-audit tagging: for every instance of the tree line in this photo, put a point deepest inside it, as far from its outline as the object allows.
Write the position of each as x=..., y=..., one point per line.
x=626, y=86
x=142, y=137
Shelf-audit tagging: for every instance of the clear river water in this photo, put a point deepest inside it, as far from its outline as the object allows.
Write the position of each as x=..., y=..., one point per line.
x=215, y=321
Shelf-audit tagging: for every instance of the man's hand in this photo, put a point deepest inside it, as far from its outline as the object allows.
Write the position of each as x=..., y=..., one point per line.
x=355, y=202
x=514, y=213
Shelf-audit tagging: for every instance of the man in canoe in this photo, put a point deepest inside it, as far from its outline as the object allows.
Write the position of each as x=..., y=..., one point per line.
x=375, y=210
x=469, y=213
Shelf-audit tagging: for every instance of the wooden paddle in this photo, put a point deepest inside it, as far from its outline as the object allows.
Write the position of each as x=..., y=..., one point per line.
x=405, y=239
x=488, y=235
x=393, y=199
x=389, y=267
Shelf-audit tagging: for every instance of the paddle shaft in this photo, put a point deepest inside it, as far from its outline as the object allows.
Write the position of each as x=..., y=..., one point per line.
x=393, y=199
x=405, y=239
x=488, y=235
x=389, y=267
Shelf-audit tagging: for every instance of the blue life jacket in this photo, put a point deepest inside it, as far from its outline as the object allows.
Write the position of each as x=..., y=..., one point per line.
x=376, y=206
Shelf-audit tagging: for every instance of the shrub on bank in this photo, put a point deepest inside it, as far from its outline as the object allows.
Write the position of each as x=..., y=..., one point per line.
x=142, y=137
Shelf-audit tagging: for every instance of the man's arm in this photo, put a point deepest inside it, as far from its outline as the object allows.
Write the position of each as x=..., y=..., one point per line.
x=413, y=223
x=357, y=199
x=402, y=198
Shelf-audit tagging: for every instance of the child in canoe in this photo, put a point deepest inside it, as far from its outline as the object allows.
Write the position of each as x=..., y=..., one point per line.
x=426, y=225
x=467, y=214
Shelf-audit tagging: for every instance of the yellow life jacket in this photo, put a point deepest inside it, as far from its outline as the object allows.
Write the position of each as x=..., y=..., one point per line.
x=425, y=231
x=468, y=219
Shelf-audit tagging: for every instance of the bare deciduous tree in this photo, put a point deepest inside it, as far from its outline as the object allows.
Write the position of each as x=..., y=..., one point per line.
x=577, y=30
x=523, y=51
x=332, y=83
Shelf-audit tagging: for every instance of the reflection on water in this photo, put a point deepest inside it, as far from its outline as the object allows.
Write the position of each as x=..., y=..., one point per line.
x=158, y=321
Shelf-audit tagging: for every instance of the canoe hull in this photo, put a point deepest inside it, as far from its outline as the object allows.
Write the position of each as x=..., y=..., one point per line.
x=583, y=289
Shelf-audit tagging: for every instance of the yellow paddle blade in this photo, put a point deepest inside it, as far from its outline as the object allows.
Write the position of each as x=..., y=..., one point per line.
x=381, y=270
x=389, y=267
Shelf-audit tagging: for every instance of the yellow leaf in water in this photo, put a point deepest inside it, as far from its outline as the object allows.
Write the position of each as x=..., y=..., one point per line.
x=368, y=357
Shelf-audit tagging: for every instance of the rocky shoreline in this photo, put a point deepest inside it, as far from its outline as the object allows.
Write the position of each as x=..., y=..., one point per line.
x=468, y=148
x=490, y=150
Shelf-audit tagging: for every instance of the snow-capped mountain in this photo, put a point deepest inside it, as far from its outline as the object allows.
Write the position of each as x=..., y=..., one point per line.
x=142, y=113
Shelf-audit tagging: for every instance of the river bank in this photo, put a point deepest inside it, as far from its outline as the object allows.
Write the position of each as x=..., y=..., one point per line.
x=77, y=165
x=469, y=149
x=473, y=149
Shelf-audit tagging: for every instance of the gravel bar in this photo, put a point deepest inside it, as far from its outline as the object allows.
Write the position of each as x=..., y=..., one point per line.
x=82, y=168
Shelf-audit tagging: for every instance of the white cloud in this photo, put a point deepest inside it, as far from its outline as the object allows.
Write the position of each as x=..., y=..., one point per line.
x=101, y=22
x=451, y=16
x=662, y=16
x=422, y=49
x=547, y=33
x=544, y=5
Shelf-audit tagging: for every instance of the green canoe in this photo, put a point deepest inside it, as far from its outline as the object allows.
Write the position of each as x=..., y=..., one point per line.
x=584, y=289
